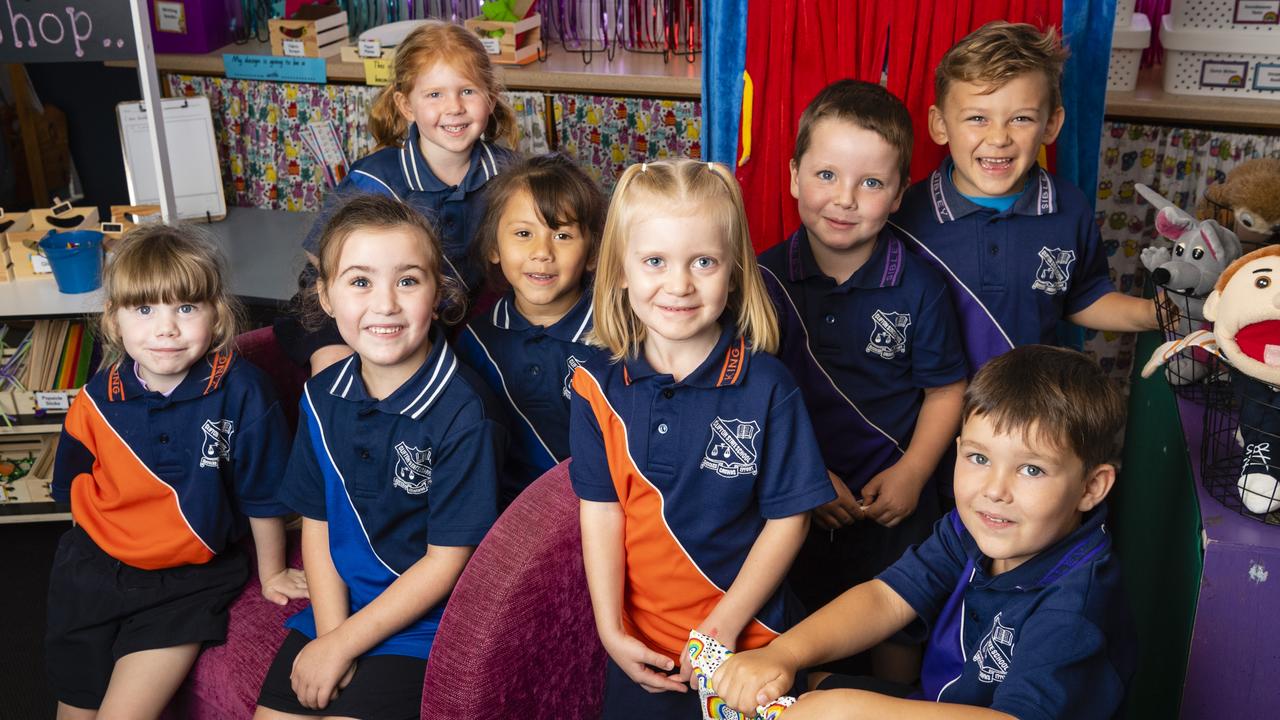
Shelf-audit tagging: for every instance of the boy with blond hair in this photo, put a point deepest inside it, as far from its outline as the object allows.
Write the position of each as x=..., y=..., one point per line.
x=1018, y=245
x=1017, y=588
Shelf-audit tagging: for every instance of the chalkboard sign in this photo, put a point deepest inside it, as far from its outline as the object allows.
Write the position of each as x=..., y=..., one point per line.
x=34, y=31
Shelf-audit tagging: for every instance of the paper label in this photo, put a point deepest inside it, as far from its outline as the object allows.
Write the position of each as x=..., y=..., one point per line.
x=53, y=401
x=370, y=48
x=274, y=67
x=377, y=72
x=1257, y=12
x=1266, y=77
x=493, y=46
x=40, y=264
x=1223, y=74
x=171, y=17
x=293, y=48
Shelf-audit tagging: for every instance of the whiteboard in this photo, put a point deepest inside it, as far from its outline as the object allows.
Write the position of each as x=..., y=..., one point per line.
x=193, y=157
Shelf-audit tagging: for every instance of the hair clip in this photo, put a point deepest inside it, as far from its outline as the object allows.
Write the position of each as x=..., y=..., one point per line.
x=644, y=167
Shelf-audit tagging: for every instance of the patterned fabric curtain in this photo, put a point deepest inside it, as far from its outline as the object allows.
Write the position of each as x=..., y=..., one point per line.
x=1179, y=163
x=606, y=134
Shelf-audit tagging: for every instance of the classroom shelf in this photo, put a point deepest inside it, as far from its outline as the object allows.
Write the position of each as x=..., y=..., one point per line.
x=631, y=74
x=1149, y=102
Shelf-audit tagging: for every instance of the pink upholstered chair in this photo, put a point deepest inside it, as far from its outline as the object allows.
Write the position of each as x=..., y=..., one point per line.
x=518, y=638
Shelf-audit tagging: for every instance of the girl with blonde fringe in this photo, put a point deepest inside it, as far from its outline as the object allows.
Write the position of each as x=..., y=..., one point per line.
x=693, y=455
x=437, y=126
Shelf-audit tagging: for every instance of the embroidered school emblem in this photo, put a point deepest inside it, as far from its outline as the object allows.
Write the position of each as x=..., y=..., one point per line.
x=889, y=336
x=413, y=469
x=1055, y=270
x=217, y=442
x=573, y=363
x=995, y=653
x=732, y=449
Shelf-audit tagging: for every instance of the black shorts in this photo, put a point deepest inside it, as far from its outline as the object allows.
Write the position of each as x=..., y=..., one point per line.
x=101, y=609
x=624, y=699
x=872, y=684
x=385, y=687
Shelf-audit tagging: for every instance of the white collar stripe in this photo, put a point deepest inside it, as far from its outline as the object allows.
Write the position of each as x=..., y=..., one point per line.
x=380, y=182
x=413, y=159
x=435, y=372
x=492, y=163
x=585, y=321
x=439, y=389
x=338, y=380
x=347, y=389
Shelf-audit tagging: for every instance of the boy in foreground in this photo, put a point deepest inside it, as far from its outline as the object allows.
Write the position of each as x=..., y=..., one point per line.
x=1017, y=588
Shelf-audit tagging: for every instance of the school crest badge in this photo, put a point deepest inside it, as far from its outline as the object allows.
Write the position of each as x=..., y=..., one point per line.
x=573, y=364
x=995, y=653
x=732, y=449
x=413, y=469
x=889, y=336
x=1055, y=270
x=217, y=442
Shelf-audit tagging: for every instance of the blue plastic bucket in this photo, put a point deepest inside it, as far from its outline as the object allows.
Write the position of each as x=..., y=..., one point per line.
x=76, y=259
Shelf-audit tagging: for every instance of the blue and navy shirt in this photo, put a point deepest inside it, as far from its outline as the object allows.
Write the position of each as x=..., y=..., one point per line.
x=392, y=476
x=864, y=350
x=1013, y=274
x=530, y=367
x=160, y=481
x=1051, y=638
x=455, y=210
x=697, y=466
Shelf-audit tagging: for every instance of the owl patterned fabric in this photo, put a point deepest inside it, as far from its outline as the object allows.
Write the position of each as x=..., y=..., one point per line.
x=1179, y=163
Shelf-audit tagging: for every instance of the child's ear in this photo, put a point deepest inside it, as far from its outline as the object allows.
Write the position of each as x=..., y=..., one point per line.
x=795, y=179
x=1054, y=126
x=937, y=125
x=1097, y=483
x=494, y=257
x=322, y=294
x=402, y=105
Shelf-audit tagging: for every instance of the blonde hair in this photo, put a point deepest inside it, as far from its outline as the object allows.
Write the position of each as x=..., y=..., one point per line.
x=998, y=52
x=170, y=264
x=670, y=186
x=364, y=212
x=435, y=42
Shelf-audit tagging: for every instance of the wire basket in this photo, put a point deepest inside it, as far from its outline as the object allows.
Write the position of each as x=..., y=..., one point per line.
x=1190, y=373
x=1240, y=454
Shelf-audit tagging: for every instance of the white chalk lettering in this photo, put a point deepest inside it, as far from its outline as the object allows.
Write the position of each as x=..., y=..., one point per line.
x=62, y=32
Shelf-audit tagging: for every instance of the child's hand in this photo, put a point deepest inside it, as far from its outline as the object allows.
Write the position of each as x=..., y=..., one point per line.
x=844, y=510
x=635, y=660
x=320, y=670
x=892, y=495
x=755, y=677
x=288, y=584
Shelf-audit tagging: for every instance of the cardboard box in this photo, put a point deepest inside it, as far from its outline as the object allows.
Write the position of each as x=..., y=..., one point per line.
x=316, y=31
x=64, y=216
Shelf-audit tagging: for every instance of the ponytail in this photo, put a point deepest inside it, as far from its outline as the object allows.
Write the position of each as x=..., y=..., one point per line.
x=385, y=121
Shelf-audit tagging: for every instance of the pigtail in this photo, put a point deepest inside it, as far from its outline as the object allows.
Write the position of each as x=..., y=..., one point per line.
x=385, y=121
x=502, y=122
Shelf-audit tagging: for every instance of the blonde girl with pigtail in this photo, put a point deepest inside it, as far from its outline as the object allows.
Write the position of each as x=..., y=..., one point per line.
x=443, y=131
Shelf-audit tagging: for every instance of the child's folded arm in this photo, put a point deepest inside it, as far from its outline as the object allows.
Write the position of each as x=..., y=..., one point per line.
x=851, y=704
x=1117, y=312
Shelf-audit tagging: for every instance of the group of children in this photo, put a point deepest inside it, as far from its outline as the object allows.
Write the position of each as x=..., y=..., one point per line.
x=712, y=405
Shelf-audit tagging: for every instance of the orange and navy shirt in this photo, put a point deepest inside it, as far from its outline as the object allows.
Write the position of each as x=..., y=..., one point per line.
x=161, y=481
x=698, y=466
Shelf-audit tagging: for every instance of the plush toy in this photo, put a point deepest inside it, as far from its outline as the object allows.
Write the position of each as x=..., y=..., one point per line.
x=499, y=11
x=1245, y=310
x=1251, y=194
x=1201, y=251
x=706, y=655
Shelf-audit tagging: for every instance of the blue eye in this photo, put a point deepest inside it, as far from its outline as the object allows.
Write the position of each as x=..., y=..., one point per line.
x=144, y=309
x=652, y=262
x=433, y=94
x=187, y=308
x=978, y=459
x=872, y=183
x=826, y=175
x=975, y=118
x=1033, y=470
x=360, y=282
x=408, y=282
x=704, y=262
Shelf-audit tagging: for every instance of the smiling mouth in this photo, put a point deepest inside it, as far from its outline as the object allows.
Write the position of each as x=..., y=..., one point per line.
x=995, y=164
x=1261, y=341
x=541, y=278
x=672, y=309
x=383, y=329
x=995, y=521
x=455, y=129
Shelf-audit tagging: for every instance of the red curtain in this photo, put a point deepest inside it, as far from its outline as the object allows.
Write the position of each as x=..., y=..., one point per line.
x=797, y=47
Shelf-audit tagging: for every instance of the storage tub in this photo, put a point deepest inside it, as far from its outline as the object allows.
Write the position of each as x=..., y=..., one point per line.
x=1127, y=45
x=1220, y=62
x=1252, y=16
x=1124, y=13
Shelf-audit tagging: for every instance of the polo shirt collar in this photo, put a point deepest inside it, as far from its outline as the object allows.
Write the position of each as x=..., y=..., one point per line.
x=882, y=269
x=1081, y=546
x=416, y=395
x=1039, y=197
x=726, y=364
x=569, y=328
x=202, y=378
x=418, y=175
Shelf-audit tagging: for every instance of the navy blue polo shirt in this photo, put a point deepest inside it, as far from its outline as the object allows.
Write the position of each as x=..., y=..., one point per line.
x=1051, y=638
x=698, y=466
x=455, y=210
x=160, y=481
x=391, y=476
x=1014, y=274
x=864, y=350
x=530, y=368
